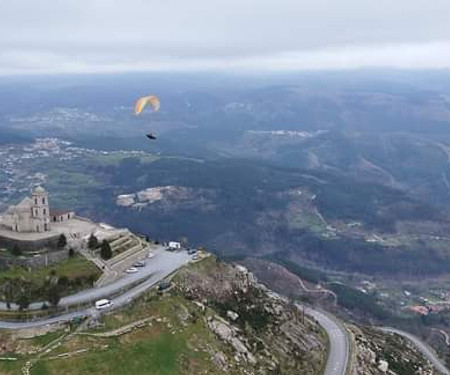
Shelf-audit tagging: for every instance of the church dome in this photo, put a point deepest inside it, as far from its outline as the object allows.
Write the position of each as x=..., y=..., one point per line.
x=39, y=190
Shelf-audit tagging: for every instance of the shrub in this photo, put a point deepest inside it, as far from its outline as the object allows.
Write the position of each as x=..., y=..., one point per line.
x=105, y=251
x=92, y=242
x=62, y=241
x=16, y=251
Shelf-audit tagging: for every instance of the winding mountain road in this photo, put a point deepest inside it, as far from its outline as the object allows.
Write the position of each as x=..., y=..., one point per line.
x=159, y=267
x=162, y=265
x=424, y=348
x=339, y=348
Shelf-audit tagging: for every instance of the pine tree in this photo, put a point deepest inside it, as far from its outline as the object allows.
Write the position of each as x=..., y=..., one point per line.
x=105, y=251
x=92, y=242
x=23, y=298
x=53, y=289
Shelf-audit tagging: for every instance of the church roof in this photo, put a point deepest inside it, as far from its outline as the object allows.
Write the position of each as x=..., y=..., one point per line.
x=25, y=204
x=60, y=212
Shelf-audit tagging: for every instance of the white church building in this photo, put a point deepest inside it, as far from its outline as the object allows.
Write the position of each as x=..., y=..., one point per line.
x=33, y=214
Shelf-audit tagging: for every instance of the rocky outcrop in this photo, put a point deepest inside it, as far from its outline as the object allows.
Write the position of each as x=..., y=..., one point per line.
x=168, y=198
x=377, y=353
x=230, y=334
x=262, y=331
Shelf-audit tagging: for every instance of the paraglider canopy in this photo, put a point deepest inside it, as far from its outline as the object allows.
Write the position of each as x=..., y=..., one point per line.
x=141, y=103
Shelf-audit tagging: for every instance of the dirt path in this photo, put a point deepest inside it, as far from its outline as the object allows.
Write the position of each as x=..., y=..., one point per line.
x=26, y=369
x=120, y=331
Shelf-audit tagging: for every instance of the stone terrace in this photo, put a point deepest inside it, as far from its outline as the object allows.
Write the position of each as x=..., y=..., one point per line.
x=74, y=228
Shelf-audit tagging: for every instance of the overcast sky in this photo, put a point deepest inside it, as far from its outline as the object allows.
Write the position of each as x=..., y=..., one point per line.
x=57, y=36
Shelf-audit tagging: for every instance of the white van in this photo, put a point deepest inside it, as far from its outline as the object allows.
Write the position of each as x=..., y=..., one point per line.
x=173, y=245
x=103, y=304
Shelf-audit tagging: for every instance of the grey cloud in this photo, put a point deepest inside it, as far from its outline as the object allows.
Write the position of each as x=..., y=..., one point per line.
x=107, y=35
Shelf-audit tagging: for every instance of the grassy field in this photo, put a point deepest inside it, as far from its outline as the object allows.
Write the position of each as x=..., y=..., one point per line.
x=307, y=220
x=11, y=367
x=46, y=339
x=303, y=215
x=24, y=345
x=72, y=268
x=115, y=158
x=156, y=353
x=79, y=272
x=164, y=347
x=149, y=305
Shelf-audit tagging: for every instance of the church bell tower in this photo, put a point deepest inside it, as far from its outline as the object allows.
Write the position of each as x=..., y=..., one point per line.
x=40, y=209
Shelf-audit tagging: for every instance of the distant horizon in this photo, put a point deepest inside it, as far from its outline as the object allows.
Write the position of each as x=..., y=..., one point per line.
x=237, y=73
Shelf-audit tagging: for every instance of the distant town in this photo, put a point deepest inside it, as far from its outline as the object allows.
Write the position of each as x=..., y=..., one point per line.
x=15, y=181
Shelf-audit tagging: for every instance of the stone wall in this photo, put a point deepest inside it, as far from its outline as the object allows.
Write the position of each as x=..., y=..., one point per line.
x=35, y=261
x=50, y=243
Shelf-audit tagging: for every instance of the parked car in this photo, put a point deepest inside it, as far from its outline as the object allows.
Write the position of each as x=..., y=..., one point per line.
x=195, y=256
x=131, y=270
x=150, y=255
x=192, y=251
x=140, y=263
x=103, y=304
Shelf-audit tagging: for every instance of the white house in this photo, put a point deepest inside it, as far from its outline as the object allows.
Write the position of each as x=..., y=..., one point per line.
x=58, y=216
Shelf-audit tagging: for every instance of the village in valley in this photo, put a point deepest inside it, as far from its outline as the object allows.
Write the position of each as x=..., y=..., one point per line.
x=17, y=175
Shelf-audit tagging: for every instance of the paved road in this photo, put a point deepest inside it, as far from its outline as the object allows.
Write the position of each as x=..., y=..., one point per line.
x=424, y=348
x=339, y=349
x=163, y=261
x=159, y=267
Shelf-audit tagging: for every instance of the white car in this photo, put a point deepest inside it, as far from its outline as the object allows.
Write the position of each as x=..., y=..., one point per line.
x=131, y=270
x=103, y=304
x=150, y=255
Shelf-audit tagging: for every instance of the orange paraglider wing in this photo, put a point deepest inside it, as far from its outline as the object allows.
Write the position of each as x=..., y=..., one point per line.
x=142, y=103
